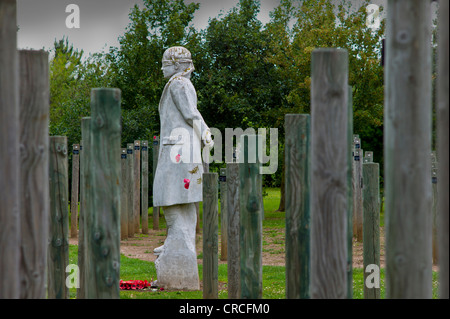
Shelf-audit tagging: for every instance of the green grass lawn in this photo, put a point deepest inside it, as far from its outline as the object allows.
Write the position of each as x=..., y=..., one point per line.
x=273, y=276
x=273, y=281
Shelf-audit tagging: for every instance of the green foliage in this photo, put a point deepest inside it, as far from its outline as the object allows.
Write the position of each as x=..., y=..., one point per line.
x=136, y=64
x=298, y=30
x=71, y=80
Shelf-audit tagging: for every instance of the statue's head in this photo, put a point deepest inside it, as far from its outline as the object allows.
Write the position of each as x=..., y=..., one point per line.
x=175, y=60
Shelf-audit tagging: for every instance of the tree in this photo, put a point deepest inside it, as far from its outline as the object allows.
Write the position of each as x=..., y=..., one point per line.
x=71, y=80
x=313, y=24
x=136, y=63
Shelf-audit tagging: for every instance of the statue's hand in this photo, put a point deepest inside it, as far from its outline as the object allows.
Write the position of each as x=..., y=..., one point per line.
x=207, y=139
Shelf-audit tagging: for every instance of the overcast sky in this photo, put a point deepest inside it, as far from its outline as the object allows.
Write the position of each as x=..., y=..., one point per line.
x=103, y=21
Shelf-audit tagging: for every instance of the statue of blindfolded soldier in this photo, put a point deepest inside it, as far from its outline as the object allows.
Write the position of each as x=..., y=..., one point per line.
x=178, y=178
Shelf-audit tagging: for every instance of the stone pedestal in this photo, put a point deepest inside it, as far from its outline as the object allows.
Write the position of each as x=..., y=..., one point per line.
x=176, y=265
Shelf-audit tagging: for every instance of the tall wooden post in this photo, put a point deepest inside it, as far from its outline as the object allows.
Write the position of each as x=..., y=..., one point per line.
x=58, y=242
x=137, y=185
x=74, y=195
x=329, y=169
x=350, y=195
x=297, y=161
x=10, y=154
x=407, y=146
x=233, y=251
x=442, y=145
x=144, y=191
x=223, y=214
x=251, y=212
x=103, y=235
x=210, y=237
x=123, y=195
x=84, y=191
x=371, y=240
x=434, y=200
x=130, y=189
x=34, y=148
x=357, y=190
x=155, y=164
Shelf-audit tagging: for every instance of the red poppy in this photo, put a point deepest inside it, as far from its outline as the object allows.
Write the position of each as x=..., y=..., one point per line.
x=186, y=183
x=134, y=284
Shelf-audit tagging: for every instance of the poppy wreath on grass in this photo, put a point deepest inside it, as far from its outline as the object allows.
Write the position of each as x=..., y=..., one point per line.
x=135, y=284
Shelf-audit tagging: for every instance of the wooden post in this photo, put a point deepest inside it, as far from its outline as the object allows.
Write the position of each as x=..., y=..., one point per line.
x=210, y=237
x=442, y=149
x=74, y=195
x=371, y=241
x=329, y=169
x=197, y=211
x=123, y=195
x=434, y=206
x=58, y=242
x=251, y=212
x=130, y=189
x=233, y=251
x=357, y=190
x=350, y=195
x=84, y=212
x=297, y=161
x=137, y=185
x=407, y=146
x=223, y=214
x=368, y=157
x=104, y=198
x=155, y=164
x=34, y=147
x=10, y=154
x=144, y=182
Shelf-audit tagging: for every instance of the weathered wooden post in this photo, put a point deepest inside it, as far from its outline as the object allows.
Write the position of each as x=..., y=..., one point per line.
x=371, y=217
x=123, y=195
x=10, y=159
x=233, y=251
x=144, y=182
x=356, y=144
x=329, y=173
x=442, y=149
x=407, y=146
x=156, y=210
x=103, y=235
x=350, y=195
x=34, y=162
x=357, y=190
x=434, y=206
x=251, y=212
x=84, y=192
x=297, y=161
x=210, y=237
x=368, y=157
x=223, y=214
x=130, y=189
x=58, y=241
x=137, y=185
x=197, y=211
x=74, y=195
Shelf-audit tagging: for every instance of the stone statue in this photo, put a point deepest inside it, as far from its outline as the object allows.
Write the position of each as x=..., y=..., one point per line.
x=178, y=179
